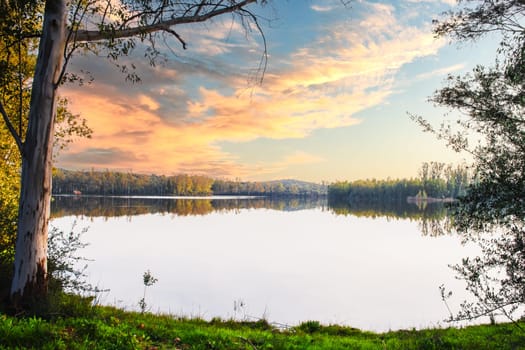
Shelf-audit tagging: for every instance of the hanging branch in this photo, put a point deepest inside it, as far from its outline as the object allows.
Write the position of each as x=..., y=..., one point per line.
x=176, y=35
x=11, y=128
x=263, y=63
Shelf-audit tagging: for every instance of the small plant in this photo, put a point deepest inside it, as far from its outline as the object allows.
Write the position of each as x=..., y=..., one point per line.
x=148, y=280
x=64, y=268
x=239, y=307
x=69, y=293
x=310, y=327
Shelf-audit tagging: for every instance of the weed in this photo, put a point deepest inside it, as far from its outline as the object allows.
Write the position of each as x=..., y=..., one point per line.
x=148, y=279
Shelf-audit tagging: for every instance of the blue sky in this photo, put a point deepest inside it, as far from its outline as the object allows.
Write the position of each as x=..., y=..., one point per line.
x=332, y=106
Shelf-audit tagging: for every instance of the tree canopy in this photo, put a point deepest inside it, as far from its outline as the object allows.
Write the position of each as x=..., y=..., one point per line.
x=491, y=104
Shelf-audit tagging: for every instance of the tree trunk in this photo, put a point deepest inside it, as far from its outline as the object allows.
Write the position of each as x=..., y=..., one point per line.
x=30, y=276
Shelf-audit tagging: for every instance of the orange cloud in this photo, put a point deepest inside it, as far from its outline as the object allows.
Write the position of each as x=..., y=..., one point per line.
x=348, y=70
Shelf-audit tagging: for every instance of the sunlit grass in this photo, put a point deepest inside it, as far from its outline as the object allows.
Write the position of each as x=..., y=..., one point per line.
x=111, y=328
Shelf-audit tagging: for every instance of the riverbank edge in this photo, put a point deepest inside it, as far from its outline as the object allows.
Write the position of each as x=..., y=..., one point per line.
x=111, y=328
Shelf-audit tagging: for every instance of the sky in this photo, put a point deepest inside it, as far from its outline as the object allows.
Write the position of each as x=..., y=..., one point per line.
x=333, y=104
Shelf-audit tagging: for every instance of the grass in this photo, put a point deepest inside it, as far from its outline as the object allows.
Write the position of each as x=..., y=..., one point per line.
x=112, y=328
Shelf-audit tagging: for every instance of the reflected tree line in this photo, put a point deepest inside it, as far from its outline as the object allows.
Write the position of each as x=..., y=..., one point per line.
x=96, y=206
x=431, y=218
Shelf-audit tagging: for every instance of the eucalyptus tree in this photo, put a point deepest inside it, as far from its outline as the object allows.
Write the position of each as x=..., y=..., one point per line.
x=491, y=105
x=59, y=29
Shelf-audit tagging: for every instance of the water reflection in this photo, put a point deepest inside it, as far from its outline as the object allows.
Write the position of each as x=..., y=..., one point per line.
x=390, y=209
x=108, y=206
x=289, y=260
x=432, y=218
x=94, y=206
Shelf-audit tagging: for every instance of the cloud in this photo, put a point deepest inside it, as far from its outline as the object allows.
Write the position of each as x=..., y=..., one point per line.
x=447, y=2
x=101, y=157
x=327, y=5
x=175, y=120
x=441, y=71
x=318, y=8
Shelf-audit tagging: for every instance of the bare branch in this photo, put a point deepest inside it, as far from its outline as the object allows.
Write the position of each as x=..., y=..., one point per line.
x=163, y=25
x=68, y=55
x=199, y=7
x=175, y=34
x=263, y=64
x=11, y=128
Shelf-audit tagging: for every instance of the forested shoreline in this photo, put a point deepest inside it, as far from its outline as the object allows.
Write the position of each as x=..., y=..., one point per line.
x=435, y=181
x=111, y=183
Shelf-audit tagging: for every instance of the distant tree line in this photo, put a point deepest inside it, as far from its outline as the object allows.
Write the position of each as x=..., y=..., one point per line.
x=436, y=180
x=269, y=188
x=123, y=184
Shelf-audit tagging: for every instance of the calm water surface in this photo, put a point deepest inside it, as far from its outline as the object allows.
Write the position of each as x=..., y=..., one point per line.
x=288, y=262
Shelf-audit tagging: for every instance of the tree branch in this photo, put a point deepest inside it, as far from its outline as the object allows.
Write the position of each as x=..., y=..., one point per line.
x=179, y=38
x=11, y=128
x=164, y=25
x=263, y=64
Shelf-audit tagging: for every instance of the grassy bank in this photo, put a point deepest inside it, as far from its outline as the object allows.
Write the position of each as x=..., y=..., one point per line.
x=110, y=328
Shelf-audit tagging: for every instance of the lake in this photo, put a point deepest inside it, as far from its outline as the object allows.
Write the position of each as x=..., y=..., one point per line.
x=374, y=268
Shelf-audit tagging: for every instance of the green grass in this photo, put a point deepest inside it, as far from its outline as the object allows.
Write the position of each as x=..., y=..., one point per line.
x=111, y=328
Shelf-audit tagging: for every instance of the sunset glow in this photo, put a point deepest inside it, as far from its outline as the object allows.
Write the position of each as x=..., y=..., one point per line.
x=332, y=105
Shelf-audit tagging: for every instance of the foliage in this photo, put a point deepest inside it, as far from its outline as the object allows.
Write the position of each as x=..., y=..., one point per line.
x=491, y=104
x=495, y=277
x=310, y=326
x=69, y=293
x=19, y=20
x=372, y=190
x=9, y=188
x=269, y=188
x=68, y=126
x=148, y=279
x=109, y=328
x=436, y=180
x=118, y=183
x=65, y=273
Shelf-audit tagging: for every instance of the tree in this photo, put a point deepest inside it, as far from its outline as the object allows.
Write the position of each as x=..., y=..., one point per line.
x=66, y=27
x=491, y=102
x=17, y=63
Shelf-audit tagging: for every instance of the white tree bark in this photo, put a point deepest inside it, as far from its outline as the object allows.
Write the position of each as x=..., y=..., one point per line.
x=30, y=275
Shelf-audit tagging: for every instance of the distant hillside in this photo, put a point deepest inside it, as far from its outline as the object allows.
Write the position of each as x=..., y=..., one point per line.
x=119, y=183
